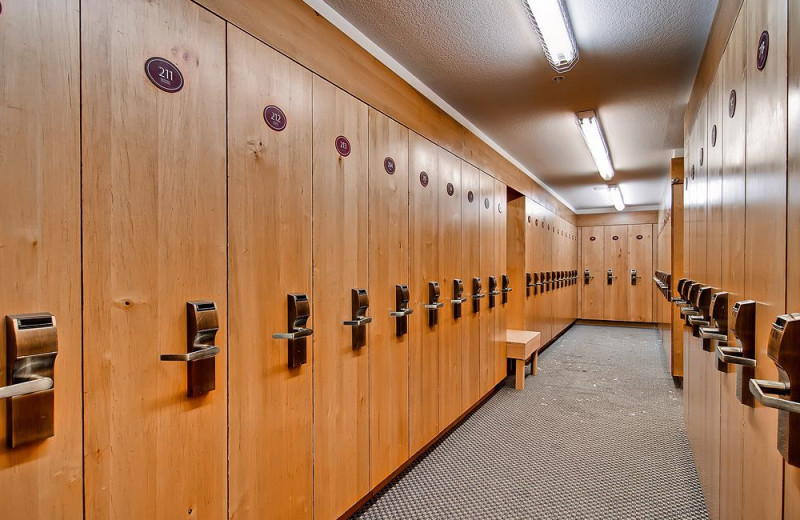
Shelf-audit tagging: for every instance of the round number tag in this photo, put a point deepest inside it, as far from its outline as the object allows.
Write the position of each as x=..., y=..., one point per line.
x=450, y=189
x=486, y=203
x=615, y=237
x=470, y=196
x=423, y=179
x=342, y=146
x=592, y=238
x=389, y=165
x=732, y=104
x=275, y=118
x=164, y=74
x=639, y=237
x=763, y=50
x=714, y=135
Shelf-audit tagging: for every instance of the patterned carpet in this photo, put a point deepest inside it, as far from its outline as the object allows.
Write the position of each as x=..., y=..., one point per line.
x=598, y=434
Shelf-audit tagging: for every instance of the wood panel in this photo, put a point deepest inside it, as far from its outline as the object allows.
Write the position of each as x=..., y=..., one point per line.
x=732, y=262
x=487, y=269
x=765, y=241
x=154, y=237
x=340, y=194
x=640, y=257
x=678, y=272
x=269, y=196
x=342, y=61
x=615, y=258
x=450, y=268
x=617, y=218
x=423, y=367
x=501, y=268
x=791, y=491
x=388, y=266
x=470, y=268
x=40, y=237
x=516, y=255
x=593, y=259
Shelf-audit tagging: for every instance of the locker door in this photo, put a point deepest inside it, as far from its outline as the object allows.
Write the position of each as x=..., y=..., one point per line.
x=792, y=473
x=516, y=257
x=640, y=258
x=270, y=257
x=531, y=294
x=615, y=294
x=470, y=268
x=732, y=261
x=765, y=240
x=546, y=260
x=388, y=267
x=501, y=268
x=487, y=269
x=593, y=253
x=341, y=256
x=154, y=238
x=450, y=329
x=40, y=212
x=423, y=368
x=541, y=310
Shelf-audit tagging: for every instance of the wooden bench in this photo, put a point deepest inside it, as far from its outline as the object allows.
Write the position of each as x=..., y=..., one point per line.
x=521, y=345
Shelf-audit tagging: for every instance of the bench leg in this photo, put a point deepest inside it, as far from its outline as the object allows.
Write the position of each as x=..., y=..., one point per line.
x=534, y=363
x=519, y=378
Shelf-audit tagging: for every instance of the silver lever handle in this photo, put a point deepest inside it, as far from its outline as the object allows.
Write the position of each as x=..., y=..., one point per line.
x=733, y=356
x=400, y=313
x=36, y=384
x=494, y=293
x=358, y=322
x=458, y=301
x=757, y=387
x=478, y=296
x=434, y=306
x=202, y=352
x=715, y=334
x=296, y=334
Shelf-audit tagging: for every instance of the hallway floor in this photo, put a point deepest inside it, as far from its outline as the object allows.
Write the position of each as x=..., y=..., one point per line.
x=597, y=434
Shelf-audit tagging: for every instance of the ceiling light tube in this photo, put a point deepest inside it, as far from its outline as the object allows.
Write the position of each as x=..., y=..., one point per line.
x=551, y=23
x=593, y=135
x=615, y=194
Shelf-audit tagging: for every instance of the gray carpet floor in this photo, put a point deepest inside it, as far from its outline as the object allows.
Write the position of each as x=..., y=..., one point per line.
x=598, y=434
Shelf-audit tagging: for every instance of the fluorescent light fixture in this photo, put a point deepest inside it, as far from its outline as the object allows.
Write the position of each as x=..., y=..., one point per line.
x=551, y=23
x=593, y=135
x=615, y=194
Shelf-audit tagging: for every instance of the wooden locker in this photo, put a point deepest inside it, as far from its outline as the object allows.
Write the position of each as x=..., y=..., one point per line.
x=540, y=313
x=154, y=238
x=501, y=268
x=531, y=294
x=765, y=240
x=732, y=260
x=593, y=256
x=388, y=267
x=640, y=258
x=40, y=211
x=269, y=197
x=516, y=256
x=470, y=268
x=340, y=194
x=450, y=329
x=546, y=263
x=487, y=269
x=792, y=474
x=615, y=294
x=423, y=364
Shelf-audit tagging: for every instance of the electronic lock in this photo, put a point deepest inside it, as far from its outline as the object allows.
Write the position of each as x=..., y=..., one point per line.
x=401, y=298
x=743, y=326
x=493, y=292
x=719, y=316
x=506, y=288
x=477, y=287
x=31, y=349
x=586, y=277
x=529, y=284
x=701, y=302
x=545, y=281
x=433, y=304
x=784, y=350
x=458, y=297
x=634, y=276
x=359, y=320
x=299, y=310
x=609, y=277
x=202, y=325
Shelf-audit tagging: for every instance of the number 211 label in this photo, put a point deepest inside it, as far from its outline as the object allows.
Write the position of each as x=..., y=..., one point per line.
x=164, y=74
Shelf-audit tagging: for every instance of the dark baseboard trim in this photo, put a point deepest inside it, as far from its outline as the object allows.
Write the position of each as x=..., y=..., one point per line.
x=411, y=460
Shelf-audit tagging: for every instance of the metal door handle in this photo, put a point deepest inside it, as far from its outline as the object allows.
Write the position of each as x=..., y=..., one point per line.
x=758, y=387
x=200, y=352
x=458, y=301
x=711, y=333
x=401, y=313
x=35, y=384
x=506, y=290
x=699, y=320
x=478, y=296
x=434, y=306
x=296, y=334
x=733, y=356
x=358, y=322
x=494, y=293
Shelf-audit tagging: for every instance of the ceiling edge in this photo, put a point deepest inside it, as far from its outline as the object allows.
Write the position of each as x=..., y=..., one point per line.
x=629, y=209
x=341, y=23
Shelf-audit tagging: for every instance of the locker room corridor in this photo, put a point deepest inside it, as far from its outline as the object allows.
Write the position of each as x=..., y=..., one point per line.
x=598, y=433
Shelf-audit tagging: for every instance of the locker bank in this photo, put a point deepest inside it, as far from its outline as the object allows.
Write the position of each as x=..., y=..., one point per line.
x=320, y=259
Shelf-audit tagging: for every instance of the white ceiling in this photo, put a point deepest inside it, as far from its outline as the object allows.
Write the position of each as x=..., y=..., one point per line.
x=638, y=59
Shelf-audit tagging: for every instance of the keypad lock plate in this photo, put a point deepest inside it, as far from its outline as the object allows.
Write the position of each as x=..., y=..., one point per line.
x=506, y=288
x=784, y=350
x=492, y=291
x=202, y=325
x=477, y=287
x=402, y=297
x=359, y=306
x=31, y=349
x=299, y=312
x=458, y=295
x=743, y=326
